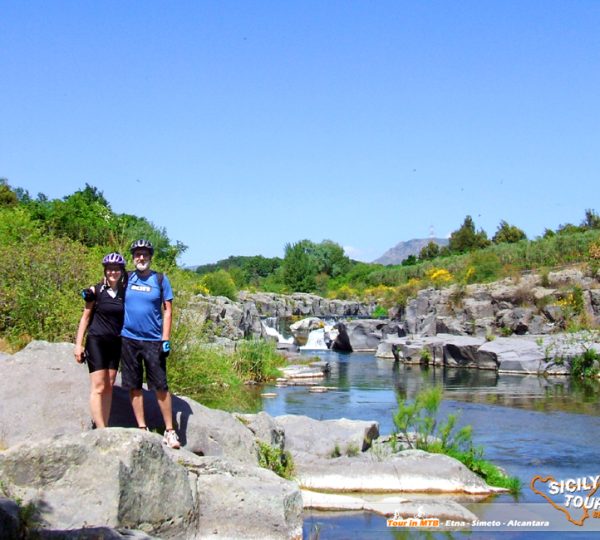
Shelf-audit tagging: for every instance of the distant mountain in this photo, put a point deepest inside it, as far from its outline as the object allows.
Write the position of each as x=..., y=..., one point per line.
x=402, y=250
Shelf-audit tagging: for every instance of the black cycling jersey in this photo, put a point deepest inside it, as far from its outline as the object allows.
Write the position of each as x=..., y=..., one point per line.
x=107, y=319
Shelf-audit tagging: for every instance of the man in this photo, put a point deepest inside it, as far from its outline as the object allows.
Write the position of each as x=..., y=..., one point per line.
x=146, y=334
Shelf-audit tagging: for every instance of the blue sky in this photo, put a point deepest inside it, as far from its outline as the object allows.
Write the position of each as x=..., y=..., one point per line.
x=240, y=126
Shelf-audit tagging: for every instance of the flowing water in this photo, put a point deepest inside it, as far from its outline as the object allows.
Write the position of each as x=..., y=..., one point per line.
x=528, y=425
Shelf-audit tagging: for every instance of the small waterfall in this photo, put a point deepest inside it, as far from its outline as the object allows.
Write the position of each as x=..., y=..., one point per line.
x=316, y=341
x=270, y=327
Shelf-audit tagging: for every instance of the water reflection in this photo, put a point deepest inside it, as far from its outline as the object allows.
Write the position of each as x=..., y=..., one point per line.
x=364, y=371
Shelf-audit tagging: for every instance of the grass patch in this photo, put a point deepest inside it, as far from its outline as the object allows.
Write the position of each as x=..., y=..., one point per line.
x=215, y=377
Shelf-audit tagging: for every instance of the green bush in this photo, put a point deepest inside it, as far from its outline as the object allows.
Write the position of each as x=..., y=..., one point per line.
x=379, y=312
x=40, y=282
x=220, y=283
x=585, y=365
x=276, y=460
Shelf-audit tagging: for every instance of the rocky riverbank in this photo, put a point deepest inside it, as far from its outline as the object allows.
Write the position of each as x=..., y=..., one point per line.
x=527, y=305
x=118, y=480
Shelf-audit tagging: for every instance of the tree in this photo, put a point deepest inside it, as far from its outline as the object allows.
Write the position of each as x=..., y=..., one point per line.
x=430, y=251
x=299, y=268
x=467, y=239
x=7, y=196
x=508, y=234
x=591, y=220
x=84, y=216
x=409, y=261
x=329, y=258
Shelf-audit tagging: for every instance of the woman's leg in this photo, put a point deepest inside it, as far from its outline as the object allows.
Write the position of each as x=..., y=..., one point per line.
x=101, y=385
x=111, y=375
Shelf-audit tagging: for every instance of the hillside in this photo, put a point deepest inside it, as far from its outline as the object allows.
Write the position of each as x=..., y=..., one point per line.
x=402, y=250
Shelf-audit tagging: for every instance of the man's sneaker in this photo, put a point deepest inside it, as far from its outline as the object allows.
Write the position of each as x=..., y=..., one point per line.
x=171, y=439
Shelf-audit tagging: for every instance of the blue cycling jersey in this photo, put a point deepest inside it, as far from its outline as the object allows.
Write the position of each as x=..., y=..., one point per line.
x=143, y=310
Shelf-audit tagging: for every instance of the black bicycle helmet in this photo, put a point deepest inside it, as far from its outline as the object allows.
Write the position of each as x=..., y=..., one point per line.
x=142, y=244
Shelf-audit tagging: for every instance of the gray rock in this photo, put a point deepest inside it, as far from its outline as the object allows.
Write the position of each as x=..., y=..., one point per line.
x=478, y=309
x=365, y=334
x=107, y=477
x=211, y=432
x=449, y=325
x=461, y=351
x=264, y=428
x=9, y=519
x=302, y=328
x=517, y=320
x=236, y=501
x=384, y=349
x=321, y=437
x=513, y=355
x=595, y=301
x=57, y=404
x=408, y=506
x=568, y=276
x=48, y=393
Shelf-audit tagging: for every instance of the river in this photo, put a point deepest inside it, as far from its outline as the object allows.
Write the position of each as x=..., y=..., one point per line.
x=527, y=425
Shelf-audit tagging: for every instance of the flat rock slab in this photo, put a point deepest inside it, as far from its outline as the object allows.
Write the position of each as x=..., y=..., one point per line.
x=439, y=507
x=408, y=471
x=302, y=372
x=513, y=355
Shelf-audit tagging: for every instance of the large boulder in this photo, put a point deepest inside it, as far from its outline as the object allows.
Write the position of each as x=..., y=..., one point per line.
x=204, y=431
x=127, y=478
x=264, y=428
x=110, y=477
x=44, y=393
x=341, y=343
x=365, y=334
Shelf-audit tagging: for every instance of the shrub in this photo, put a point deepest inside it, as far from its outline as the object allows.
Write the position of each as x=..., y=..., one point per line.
x=439, y=277
x=276, y=460
x=220, y=283
x=379, y=312
x=585, y=365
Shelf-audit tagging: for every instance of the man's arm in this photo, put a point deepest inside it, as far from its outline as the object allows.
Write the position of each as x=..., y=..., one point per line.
x=167, y=320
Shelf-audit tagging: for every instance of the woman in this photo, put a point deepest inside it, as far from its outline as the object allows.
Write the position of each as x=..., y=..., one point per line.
x=103, y=319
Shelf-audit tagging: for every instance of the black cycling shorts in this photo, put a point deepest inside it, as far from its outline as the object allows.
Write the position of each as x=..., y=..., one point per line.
x=102, y=353
x=139, y=355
